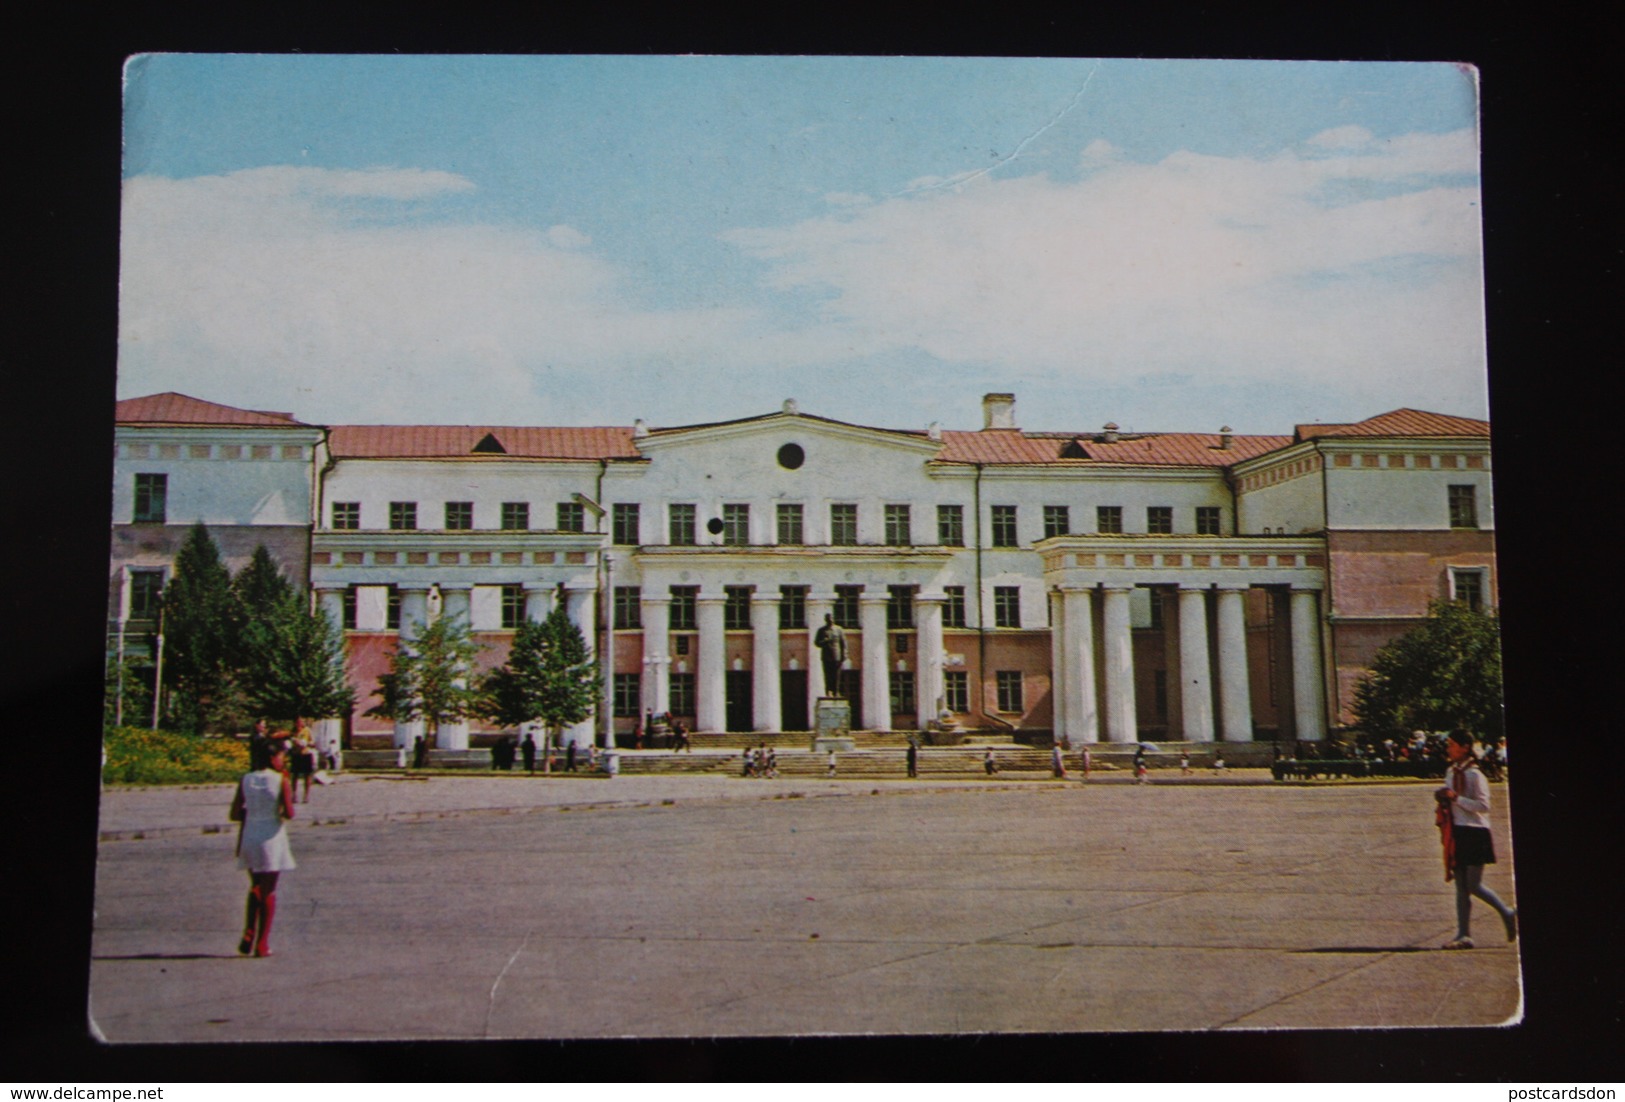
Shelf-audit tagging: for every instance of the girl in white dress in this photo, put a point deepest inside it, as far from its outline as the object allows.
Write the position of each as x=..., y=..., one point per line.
x=264, y=801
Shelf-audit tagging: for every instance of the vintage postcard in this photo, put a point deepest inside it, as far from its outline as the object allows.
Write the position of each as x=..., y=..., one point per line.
x=783, y=546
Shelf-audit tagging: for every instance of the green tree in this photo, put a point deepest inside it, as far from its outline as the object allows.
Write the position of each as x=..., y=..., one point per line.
x=199, y=628
x=290, y=658
x=548, y=678
x=429, y=676
x=1441, y=675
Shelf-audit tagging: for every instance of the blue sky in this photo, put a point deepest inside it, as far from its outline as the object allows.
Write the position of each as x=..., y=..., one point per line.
x=585, y=240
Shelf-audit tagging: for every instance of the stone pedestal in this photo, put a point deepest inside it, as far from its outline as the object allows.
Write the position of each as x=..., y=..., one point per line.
x=832, y=725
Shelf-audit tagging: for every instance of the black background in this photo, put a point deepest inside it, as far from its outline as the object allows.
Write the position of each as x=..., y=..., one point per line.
x=1550, y=119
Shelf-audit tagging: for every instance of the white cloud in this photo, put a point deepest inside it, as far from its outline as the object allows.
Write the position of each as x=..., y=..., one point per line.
x=567, y=237
x=1342, y=137
x=1230, y=267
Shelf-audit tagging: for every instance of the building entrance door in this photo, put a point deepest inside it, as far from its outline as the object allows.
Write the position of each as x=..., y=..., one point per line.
x=852, y=689
x=793, y=701
x=739, y=700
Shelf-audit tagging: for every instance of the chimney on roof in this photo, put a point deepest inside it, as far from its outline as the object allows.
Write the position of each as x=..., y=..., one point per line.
x=1226, y=436
x=640, y=429
x=998, y=411
x=1109, y=435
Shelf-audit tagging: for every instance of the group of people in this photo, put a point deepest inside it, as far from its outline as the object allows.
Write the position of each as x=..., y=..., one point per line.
x=303, y=760
x=761, y=762
x=647, y=730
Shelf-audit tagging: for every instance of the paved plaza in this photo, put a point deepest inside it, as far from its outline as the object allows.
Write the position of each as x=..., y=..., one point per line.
x=507, y=907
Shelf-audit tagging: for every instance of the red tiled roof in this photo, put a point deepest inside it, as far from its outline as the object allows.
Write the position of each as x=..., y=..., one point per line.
x=1180, y=449
x=1401, y=422
x=170, y=408
x=453, y=441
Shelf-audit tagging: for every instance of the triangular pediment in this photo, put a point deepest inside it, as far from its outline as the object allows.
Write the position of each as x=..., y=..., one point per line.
x=789, y=428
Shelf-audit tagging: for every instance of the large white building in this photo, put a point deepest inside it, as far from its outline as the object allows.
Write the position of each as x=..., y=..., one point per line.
x=1100, y=585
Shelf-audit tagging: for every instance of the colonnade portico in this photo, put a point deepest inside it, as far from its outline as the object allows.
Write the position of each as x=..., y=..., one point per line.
x=1078, y=569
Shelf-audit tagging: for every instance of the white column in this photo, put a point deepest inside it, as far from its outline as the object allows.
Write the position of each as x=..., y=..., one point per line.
x=1235, y=692
x=876, y=679
x=817, y=609
x=414, y=618
x=656, y=615
x=579, y=606
x=1195, y=678
x=453, y=734
x=1121, y=724
x=928, y=636
x=711, y=682
x=767, y=713
x=1308, y=697
x=538, y=601
x=1058, y=662
x=1082, y=711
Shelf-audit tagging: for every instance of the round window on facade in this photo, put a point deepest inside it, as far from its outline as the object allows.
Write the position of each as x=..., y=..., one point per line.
x=714, y=526
x=791, y=456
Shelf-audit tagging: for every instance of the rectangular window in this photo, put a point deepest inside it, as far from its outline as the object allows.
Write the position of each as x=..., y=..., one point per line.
x=346, y=515
x=572, y=517
x=680, y=645
x=1464, y=506
x=792, y=607
x=392, y=610
x=899, y=529
x=1009, y=685
x=1469, y=588
x=684, y=607
x=628, y=695
x=790, y=528
x=513, y=607
x=951, y=525
x=900, y=644
x=1004, y=526
x=1109, y=518
x=1007, y=606
x=680, y=525
x=1159, y=520
x=1057, y=520
x=846, y=606
x=459, y=516
x=956, y=691
x=349, y=608
x=515, y=516
x=843, y=525
x=953, y=609
x=902, y=692
x=628, y=607
x=624, y=524
x=1207, y=520
x=151, y=498
x=681, y=702
x=736, y=609
x=1159, y=599
x=146, y=589
x=900, y=607
x=736, y=525
x=403, y=515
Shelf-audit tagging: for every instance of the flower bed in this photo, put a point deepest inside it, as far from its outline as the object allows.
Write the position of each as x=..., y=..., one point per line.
x=136, y=755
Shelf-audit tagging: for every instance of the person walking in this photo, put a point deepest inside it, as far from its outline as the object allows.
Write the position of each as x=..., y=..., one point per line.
x=570, y=756
x=1140, y=770
x=420, y=752
x=262, y=805
x=1088, y=763
x=1057, y=766
x=913, y=759
x=528, y=750
x=990, y=765
x=1218, y=762
x=1185, y=764
x=831, y=764
x=1463, y=818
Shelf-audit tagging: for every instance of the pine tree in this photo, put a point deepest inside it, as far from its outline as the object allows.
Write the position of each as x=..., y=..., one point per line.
x=297, y=664
x=548, y=678
x=1444, y=674
x=429, y=675
x=199, y=617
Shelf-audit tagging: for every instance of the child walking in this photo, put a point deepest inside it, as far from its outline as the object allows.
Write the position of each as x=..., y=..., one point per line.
x=1464, y=829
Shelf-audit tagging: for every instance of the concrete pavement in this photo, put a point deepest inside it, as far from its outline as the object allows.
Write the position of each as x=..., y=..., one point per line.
x=472, y=907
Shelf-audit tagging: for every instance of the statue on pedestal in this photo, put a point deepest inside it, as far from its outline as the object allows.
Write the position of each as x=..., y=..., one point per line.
x=831, y=643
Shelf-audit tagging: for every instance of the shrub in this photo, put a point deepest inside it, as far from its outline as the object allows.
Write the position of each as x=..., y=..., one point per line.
x=138, y=755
